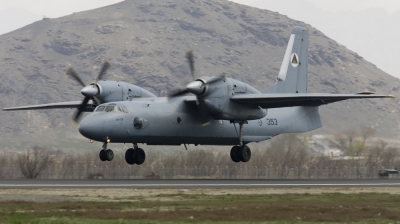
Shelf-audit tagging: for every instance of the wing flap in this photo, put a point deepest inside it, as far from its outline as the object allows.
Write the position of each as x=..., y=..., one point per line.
x=61, y=105
x=305, y=99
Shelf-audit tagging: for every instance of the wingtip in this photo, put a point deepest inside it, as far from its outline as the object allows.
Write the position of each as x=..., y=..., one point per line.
x=390, y=96
x=366, y=92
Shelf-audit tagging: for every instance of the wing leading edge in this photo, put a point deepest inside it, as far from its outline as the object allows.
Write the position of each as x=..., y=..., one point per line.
x=71, y=104
x=299, y=99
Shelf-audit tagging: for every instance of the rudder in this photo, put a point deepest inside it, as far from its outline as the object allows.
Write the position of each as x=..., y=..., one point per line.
x=292, y=76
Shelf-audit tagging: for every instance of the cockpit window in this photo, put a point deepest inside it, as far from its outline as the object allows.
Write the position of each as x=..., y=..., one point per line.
x=120, y=109
x=100, y=108
x=109, y=108
x=123, y=109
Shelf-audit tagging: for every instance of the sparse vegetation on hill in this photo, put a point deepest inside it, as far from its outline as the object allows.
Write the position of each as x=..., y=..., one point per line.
x=146, y=43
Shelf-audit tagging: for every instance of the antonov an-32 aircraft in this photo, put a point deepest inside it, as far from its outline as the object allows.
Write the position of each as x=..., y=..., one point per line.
x=219, y=111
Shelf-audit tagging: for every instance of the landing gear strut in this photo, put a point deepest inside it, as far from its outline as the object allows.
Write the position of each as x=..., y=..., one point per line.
x=135, y=155
x=240, y=152
x=106, y=154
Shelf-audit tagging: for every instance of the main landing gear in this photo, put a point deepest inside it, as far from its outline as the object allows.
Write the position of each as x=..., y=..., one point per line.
x=240, y=152
x=106, y=154
x=135, y=155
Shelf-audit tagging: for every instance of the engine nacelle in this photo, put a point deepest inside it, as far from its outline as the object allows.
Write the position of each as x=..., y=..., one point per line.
x=215, y=98
x=112, y=91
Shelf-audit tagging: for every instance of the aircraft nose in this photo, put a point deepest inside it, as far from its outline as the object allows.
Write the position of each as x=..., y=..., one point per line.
x=88, y=128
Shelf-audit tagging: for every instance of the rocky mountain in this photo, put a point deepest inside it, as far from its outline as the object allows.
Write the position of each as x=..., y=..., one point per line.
x=146, y=42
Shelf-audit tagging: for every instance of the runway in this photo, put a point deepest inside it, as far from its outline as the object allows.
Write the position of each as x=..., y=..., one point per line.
x=192, y=184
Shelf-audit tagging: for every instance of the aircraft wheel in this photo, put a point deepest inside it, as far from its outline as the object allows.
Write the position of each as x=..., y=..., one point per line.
x=244, y=153
x=234, y=154
x=102, y=155
x=129, y=156
x=139, y=156
x=109, y=154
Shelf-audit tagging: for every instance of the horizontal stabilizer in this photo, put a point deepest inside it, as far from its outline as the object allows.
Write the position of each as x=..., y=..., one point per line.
x=300, y=99
x=61, y=105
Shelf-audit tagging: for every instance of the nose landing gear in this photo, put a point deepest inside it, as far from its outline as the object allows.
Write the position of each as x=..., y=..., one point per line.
x=135, y=155
x=106, y=154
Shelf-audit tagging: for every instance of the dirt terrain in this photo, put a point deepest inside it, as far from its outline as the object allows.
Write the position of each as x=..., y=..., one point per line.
x=132, y=195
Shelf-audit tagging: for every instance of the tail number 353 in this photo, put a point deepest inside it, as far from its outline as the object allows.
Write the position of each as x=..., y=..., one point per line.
x=272, y=121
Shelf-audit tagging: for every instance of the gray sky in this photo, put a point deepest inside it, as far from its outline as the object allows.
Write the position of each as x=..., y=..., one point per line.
x=54, y=8
x=390, y=6
x=367, y=27
x=345, y=21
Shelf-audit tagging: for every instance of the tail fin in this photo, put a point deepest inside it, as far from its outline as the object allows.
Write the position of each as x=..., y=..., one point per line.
x=292, y=76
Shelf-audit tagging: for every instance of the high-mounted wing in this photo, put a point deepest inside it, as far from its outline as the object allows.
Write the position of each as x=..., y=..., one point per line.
x=89, y=107
x=277, y=100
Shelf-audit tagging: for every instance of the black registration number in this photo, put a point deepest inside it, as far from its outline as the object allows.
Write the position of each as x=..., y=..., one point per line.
x=272, y=121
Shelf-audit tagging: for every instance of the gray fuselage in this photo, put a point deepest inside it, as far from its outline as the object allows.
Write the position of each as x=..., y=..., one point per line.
x=175, y=122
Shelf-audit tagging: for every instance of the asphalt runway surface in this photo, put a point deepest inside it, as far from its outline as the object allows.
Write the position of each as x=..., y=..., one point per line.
x=198, y=183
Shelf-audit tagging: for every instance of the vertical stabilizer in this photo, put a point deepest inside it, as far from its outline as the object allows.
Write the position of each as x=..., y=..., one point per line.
x=292, y=76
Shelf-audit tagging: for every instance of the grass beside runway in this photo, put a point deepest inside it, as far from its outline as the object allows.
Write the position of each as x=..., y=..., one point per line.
x=183, y=207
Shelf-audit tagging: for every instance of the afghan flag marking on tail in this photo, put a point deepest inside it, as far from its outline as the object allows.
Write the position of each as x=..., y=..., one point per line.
x=294, y=59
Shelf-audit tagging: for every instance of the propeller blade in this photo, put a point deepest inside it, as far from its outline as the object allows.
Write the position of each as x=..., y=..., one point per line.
x=74, y=75
x=197, y=100
x=103, y=70
x=176, y=93
x=190, y=58
x=80, y=109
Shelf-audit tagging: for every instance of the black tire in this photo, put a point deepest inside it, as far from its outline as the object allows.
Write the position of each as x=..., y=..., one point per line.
x=139, y=156
x=129, y=156
x=234, y=154
x=109, y=155
x=244, y=153
x=102, y=155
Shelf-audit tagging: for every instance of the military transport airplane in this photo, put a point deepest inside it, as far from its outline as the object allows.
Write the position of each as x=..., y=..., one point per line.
x=220, y=111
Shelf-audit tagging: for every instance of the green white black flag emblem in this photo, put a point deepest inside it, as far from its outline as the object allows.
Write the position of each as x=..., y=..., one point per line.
x=294, y=60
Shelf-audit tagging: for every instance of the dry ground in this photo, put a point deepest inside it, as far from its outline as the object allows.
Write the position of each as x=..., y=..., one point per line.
x=299, y=205
x=131, y=195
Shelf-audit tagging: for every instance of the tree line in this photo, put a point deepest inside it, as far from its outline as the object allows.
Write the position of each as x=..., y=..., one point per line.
x=286, y=151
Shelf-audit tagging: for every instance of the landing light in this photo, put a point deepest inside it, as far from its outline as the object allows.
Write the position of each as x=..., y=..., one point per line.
x=91, y=141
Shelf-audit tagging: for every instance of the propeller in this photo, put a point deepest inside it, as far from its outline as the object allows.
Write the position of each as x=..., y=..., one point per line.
x=89, y=91
x=197, y=87
x=190, y=58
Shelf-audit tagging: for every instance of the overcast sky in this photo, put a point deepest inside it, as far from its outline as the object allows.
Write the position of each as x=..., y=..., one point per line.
x=391, y=6
x=379, y=47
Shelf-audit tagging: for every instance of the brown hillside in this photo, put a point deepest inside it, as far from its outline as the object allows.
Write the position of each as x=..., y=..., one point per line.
x=146, y=42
